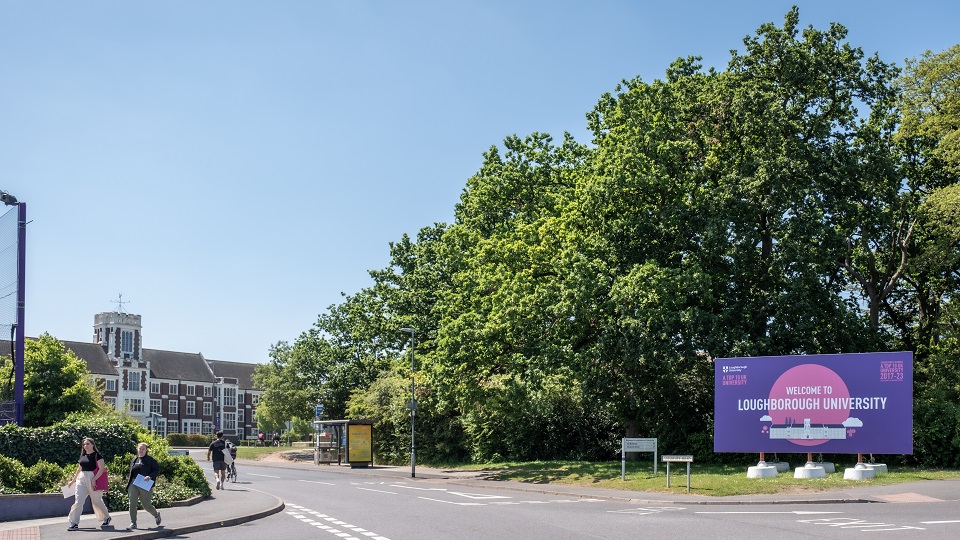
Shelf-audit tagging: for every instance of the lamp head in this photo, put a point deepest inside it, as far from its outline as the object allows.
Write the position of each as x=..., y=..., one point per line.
x=7, y=199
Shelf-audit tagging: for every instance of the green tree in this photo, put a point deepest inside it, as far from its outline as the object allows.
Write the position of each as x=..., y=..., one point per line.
x=285, y=394
x=931, y=105
x=56, y=383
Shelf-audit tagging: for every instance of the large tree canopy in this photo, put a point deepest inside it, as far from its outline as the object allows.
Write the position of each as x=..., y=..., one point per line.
x=803, y=200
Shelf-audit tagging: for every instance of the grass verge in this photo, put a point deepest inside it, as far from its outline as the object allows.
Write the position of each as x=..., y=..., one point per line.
x=705, y=479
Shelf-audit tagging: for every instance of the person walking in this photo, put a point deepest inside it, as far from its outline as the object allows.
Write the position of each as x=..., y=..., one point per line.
x=219, y=467
x=147, y=467
x=86, y=480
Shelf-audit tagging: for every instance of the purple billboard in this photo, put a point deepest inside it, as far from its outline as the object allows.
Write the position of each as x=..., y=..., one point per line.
x=826, y=403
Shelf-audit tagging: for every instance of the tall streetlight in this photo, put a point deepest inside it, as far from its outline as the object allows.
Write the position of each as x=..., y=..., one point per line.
x=412, y=405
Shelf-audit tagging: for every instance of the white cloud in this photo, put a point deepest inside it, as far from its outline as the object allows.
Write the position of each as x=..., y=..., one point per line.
x=852, y=422
x=766, y=418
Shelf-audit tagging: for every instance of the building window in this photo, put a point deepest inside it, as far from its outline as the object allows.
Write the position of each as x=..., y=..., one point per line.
x=208, y=409
x=229, y=397
x=240, y=416
x=126, y=343
x=111, y=385
x=155, y=406
x=155, y=388
x=161, y=427
x=256, y=399
x=133, y=405
x=208, y=427
x=133, y=381
x=173, y=406
x=172, y=426
x=191, y=426
x=174, y=390
x=240, y=397
x=191, y=408
x=206, y=391
x=229, y=422
x=112, y=401
x=190, y=389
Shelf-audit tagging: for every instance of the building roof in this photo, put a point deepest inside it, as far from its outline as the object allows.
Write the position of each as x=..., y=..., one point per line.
x=241, y=371
x=91, y=353
x=168, y=365
x=178, y=366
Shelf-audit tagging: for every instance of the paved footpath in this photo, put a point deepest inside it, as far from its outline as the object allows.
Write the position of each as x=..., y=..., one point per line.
x=225, y=508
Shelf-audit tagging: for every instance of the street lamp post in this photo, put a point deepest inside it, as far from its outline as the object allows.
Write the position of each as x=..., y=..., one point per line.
x=412, y=405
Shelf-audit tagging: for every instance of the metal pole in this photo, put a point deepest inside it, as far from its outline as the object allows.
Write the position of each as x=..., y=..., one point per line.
x=413, y=403
x=21, y=301
x=413, y=410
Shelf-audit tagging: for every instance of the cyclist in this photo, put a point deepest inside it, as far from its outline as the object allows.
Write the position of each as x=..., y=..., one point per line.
x=232, y=467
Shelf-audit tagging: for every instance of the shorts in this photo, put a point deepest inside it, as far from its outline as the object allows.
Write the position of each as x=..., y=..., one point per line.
x=219, y=466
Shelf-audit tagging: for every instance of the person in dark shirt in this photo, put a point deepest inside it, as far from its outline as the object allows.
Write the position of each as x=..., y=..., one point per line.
x=145, y=466
x=219, y=466
x=86, y=479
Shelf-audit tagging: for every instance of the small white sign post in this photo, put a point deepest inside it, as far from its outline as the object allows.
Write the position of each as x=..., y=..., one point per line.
x=681, y=459
x=636, y=445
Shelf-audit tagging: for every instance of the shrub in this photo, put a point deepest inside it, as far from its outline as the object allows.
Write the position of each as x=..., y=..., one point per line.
x=60, y=443
x=11, y=473
x=54, y=460
x=44, y=477
x=194, y=440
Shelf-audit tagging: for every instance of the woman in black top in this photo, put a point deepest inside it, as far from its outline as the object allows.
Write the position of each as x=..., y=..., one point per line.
x=145, y=466
x=90, y=460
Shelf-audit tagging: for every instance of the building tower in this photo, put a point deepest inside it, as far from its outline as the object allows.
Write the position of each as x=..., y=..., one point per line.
x=120, y=335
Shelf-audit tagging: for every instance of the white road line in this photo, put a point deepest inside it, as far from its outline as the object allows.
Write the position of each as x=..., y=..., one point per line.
x=317, y=482
x=451, y=502
x=263, y=475
x=378, y=491
x=796, y=512
x=299, y=514
x=939, y=522
x=418, y=488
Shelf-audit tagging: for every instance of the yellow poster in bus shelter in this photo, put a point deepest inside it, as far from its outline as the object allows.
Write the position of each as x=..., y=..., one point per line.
x=359, y=443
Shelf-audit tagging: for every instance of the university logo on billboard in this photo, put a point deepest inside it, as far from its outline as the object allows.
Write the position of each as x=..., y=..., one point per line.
x=843, y=403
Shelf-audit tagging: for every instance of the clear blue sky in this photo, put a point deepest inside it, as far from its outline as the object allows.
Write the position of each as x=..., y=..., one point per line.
x=231, y=167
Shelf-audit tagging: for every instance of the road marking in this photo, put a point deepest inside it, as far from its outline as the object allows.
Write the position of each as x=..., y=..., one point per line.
x=854, y=523
x=451, y=502
x=417, y=488
x=378, y=491
x=317, y=482
x=938, y=522
x=263, y=475
x=797, y=512
x=299, y=514
x=647, y=511
x=478, y=495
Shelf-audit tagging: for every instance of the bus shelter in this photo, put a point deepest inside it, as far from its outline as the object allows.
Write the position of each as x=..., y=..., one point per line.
x=344, y=441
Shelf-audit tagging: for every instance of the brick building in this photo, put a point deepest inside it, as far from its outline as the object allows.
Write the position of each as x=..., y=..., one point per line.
x=172, y=392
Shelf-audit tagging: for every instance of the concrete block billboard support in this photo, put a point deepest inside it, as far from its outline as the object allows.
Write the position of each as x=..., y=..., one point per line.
x=829, y=403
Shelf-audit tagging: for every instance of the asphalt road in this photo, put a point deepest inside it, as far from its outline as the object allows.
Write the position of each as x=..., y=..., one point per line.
x=321, y=505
